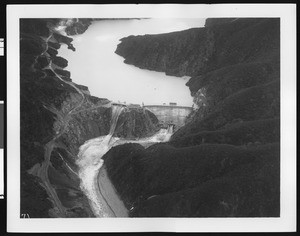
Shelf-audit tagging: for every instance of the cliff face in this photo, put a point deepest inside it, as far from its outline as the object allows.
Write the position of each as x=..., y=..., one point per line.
x=225, y=161
x=200, y=50
x=174, y=53
x=136, y=123
x=57, y=116
x=79, y=26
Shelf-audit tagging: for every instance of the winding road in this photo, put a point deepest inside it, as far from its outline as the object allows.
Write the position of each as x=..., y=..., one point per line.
x=42, y=171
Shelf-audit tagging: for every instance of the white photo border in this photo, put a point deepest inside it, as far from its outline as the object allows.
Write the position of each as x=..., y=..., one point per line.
x=287, y=220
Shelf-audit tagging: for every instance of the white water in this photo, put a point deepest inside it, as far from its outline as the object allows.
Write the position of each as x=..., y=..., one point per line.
x=89, y=160
x=95, y=64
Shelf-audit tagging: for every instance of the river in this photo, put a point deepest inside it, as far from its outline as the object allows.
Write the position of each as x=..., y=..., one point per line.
x=95, y=65
x=90, y=162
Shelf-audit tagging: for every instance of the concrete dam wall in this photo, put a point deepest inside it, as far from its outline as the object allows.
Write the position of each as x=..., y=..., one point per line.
x=170, y=114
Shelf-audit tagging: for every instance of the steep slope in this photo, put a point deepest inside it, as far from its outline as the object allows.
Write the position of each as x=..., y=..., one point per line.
x=199, y=50
x=202, y=180
x=57, y=116
x=225, y=161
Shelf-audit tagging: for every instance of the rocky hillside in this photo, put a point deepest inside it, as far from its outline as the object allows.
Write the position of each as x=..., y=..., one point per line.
x=57, y=116
x=226, y=160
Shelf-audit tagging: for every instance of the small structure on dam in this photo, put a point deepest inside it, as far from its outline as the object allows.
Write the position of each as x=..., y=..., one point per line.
x=170, y=114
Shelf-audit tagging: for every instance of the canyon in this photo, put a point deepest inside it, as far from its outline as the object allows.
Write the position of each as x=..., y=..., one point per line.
x=226, y=160
x=57, y=117
x=222, y=161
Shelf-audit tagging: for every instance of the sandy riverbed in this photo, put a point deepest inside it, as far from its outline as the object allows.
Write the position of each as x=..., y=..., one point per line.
x=109, y=193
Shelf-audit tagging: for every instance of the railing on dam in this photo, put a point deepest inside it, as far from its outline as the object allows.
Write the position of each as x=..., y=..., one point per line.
x=169, y=106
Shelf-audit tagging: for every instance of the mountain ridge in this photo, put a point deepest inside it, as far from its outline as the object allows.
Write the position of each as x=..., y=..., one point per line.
x=57, y=117
x=234, y=64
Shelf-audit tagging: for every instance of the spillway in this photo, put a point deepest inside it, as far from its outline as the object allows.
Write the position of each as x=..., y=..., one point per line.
x=90, y=161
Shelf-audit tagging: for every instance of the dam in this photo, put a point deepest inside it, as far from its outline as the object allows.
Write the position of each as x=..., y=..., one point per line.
x=90, y=162
x=167, y=115
x=170, y=114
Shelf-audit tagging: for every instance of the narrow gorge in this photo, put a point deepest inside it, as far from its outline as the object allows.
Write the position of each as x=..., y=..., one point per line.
x=57, y=117
x=84, y=156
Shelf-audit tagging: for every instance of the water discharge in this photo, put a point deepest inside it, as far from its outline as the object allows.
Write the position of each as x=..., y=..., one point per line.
x=90, y=161
x=106, y=75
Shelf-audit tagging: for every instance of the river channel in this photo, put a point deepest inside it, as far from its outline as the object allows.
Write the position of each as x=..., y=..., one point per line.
x=94, y=64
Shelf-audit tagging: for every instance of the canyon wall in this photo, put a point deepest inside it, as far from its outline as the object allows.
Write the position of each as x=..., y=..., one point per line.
x=226, y=160
x=57, y=116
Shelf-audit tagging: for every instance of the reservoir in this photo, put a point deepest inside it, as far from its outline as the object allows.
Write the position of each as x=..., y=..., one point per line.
x=95, y=64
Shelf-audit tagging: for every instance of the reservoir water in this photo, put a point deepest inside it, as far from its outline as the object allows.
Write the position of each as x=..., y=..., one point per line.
x=94, y=63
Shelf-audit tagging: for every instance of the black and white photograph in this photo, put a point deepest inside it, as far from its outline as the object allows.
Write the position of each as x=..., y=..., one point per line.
x=151, y=116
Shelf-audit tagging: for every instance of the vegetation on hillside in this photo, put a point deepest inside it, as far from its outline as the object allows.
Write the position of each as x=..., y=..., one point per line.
x=226, y=160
